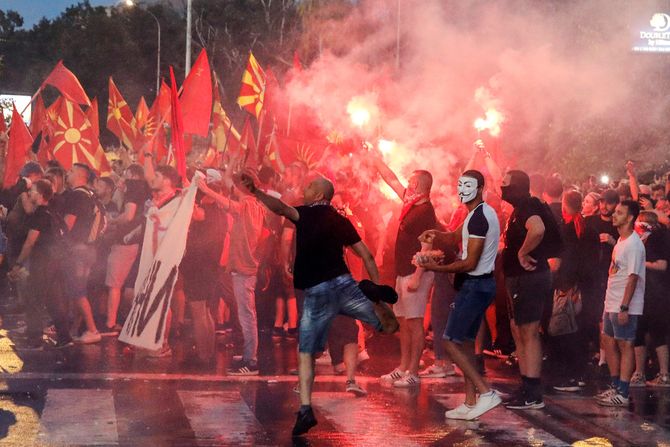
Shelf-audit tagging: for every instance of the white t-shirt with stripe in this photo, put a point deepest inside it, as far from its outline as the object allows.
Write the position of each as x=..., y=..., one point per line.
x=482, y=223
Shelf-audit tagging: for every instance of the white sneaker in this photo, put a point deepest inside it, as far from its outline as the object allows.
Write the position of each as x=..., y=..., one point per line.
x=324, y=359
x=393, y=375
x=363, y=356
x=88, y=338
x=353, y=388
x=459, y=412
x=407, y=381
x=486, y=402
x=437, y=372
x=614, y=400
x=609, y=392
x=638, y=381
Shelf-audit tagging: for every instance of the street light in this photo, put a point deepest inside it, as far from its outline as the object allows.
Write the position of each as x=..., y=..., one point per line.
x=132, y=3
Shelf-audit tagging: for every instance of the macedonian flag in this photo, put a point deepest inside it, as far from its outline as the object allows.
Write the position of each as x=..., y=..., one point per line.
x=252, y=93
x=74, y=139
x=120, y=117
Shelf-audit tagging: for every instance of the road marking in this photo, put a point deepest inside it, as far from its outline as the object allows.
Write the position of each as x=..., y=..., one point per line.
x=220, y=418
x=78, y=417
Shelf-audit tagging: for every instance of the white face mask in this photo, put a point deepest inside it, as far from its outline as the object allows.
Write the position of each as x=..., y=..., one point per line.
x=467, y=189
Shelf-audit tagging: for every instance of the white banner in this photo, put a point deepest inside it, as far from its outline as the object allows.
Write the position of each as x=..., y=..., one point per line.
x=162, y=251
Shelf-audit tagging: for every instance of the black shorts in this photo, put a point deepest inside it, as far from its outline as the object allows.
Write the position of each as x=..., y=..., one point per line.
x=527, y=296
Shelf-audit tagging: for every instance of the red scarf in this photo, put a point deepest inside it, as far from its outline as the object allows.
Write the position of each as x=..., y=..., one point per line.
x=579, y=222
x=409, y=202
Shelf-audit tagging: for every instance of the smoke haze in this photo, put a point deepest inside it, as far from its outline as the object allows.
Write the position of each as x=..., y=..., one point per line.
x=575, y=99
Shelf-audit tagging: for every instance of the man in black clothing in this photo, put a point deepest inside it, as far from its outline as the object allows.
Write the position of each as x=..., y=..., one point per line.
x=83, y=227
x=553, y=195
x=321, y=272
x=593, y=301
x=528, y=283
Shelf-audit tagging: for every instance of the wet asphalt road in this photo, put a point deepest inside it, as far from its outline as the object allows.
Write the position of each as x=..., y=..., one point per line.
x=102, y=395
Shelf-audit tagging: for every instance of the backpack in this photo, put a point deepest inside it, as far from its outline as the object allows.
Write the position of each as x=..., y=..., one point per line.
x=99, y=224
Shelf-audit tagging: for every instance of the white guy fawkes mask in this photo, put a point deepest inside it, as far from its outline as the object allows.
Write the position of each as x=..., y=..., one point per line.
x=467, y=189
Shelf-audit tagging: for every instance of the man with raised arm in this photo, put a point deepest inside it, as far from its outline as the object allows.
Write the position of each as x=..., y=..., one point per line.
x=413, y=284
x=320, y=271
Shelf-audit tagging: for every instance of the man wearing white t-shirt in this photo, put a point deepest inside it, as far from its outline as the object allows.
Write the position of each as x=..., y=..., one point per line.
x=624, y=302
x=479, y=236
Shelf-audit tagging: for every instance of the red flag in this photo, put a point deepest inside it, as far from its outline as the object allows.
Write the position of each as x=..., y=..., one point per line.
x=252, y=92
x=3, y=124
x=94, y=118
x=68, y=84
x=38, y=116
x=223, y=132
x=141, y=114
x=159, y=112
x=17, y=149
x=248, y=144
x=119, y=112
x=309, y=152
x=73, y=139
x=196, y=97
x=177, y=129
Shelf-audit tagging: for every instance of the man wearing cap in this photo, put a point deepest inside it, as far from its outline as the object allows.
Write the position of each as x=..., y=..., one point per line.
x=593, y=301
x=245, y=236
x=320, y=271
x=479, y=235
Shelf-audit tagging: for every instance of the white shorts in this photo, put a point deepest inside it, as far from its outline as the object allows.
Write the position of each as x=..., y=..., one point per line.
x=413, y=304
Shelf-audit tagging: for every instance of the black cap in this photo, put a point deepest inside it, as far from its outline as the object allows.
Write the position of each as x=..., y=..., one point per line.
x=610, y=196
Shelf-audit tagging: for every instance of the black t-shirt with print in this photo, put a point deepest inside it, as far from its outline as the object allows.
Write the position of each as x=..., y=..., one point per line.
x=79, y=202
x=321, y=235
x=417, y=220
x=515, y=235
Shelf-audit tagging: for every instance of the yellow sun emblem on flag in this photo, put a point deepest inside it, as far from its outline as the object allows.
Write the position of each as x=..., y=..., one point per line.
x=73, y=135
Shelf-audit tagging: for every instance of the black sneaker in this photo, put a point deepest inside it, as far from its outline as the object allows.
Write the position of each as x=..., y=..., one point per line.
x=569, y=386
x=304, y=422
x=525, y=403
x=277, y=332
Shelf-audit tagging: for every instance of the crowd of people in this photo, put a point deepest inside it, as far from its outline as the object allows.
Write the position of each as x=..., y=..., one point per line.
x=526, y=267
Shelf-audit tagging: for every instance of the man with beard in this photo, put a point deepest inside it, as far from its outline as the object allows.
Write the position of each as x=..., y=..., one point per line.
x=624, y=303
x=413, y=284
x=479, y=235
x=593, y=301
x=528, y=283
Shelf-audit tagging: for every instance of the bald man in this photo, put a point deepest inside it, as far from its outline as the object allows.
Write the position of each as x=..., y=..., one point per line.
x=321, y=272
x=413, y=284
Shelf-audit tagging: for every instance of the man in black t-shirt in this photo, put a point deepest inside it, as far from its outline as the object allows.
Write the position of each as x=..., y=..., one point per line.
x=413, y=284
x=528, y=283
x=593, y=301
x=79, y=210
x=44, y=234
x=320, y=270
x=122, y=255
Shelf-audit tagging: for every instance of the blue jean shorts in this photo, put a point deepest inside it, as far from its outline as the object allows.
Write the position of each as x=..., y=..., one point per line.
x=612, y=328
x=324, y=302
x=475, y=295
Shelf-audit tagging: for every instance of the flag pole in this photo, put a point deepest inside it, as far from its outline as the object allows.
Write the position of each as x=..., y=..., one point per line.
x=260, y=127
x=39, y=90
